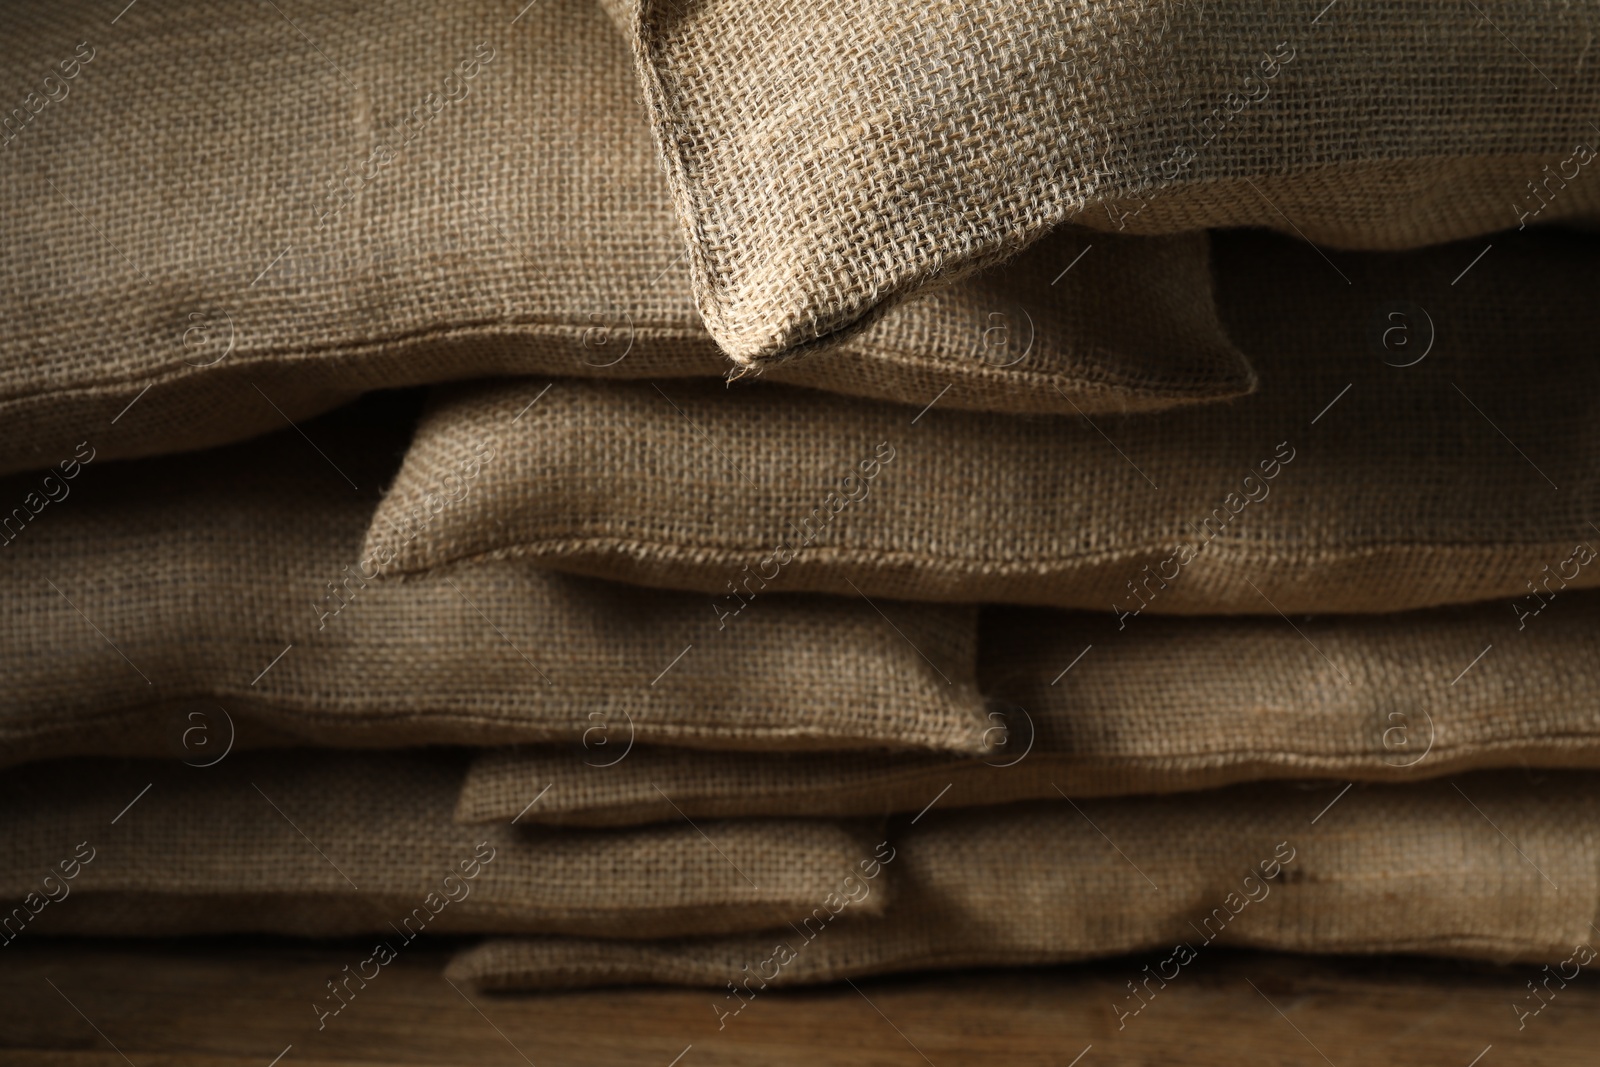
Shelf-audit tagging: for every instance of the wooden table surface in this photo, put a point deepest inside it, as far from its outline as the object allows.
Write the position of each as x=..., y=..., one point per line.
x=236, y=1003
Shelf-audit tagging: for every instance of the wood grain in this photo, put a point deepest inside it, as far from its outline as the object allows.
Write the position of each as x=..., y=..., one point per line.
x=235, y=1003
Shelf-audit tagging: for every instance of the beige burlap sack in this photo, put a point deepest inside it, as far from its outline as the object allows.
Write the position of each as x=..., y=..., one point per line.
x=1054, y=331
x=827, y=159
x=1175, y=704
x=1419, y=438
x=168, y=605
x=405, y=193
x=1496, y=866
x=320, y=844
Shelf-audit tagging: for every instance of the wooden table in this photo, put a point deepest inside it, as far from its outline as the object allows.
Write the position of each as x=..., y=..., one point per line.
x=237, y=1003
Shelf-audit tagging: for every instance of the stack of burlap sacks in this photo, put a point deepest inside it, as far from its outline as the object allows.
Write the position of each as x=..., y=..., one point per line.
x=885, y=500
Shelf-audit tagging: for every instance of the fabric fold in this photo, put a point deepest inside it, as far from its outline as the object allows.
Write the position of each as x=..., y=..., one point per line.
x=331, y=844
x=438, y=194
x=1497, y=866
x=161, y=606
x=828, y=161
x=1418, y=439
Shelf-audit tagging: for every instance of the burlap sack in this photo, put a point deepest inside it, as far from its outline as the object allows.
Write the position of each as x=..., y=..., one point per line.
x=1058, y=330
x=167, y=605
x=1173, y=705
x=1414, y=868
x=828, y=159
x=404, y=194
x=324, y=844
x=1347, y=483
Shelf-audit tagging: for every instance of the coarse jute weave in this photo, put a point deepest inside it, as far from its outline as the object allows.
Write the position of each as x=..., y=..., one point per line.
x=828, y=158
x=320, y=844
x=1049, y=332
x=1170, y=705
x=1418, y=438
x=429, y=193
x=1414, y=868
x=226, y=590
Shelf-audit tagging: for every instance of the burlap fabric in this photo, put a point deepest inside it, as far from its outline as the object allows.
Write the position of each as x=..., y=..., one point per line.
x=829, y=158
x=409, y=194
x=1052, y=331
x=318, y=843
x=1348, y=483
x=1172, y=705
x=1414, y=868
x=172, y=604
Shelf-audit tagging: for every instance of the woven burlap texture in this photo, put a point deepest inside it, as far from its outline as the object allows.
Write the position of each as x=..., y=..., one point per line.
x=1413, y=868
x=1172, y=705
x=318, y=843
x=186, y=591
x=430, y=193
x=827, y=159
x=1348, y=483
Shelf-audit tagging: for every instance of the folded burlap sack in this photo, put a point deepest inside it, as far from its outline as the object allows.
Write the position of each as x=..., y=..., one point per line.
x=826, y=161
x=1414, y=868
x=159, y=607
x=1348, y=483
x=323, y=844
x=428, y=194
x=1172, y=705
